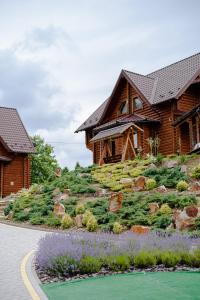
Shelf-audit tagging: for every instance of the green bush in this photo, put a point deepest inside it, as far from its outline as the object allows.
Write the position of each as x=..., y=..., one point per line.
x=165, y=209
x=186, y=258
x=92, y=224
x=53, y=221
x=182, y=186
x=118, y=263
x=144, y=259
x=196, y=172
x=170, y=259
x=196, y=259
x=150, y=184
x=66, y=222
x=63, y=266
x=197, y=223
x=21, y=216
x=37, y=219
x=163, y=221
x=86, y=217
x=8, y=208
x=117, y=228
x=89, y=265
x=80, y=209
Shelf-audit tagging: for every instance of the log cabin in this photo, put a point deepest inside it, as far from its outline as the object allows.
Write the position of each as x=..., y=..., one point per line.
x=148, y=114
x=15, y=147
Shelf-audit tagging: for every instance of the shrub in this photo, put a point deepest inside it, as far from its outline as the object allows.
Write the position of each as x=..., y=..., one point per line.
x=80, y=209
x=37, y=219
x=144, y=259
x=163, y=221
x=8, y=208
x=86, y=217
x=63, y=265
x=197, y=223
x=159, y=158
x=150, y=184
x=89, y=265
x=169, y=259
x=118, y=263
x=165, y=209
x=92, y=224
x=66, y=222
x=53, y=221
x=182, y=186
x=21, y=216
x=196, y=172
x=196, y=259
x=186, y=258
x=117, y=228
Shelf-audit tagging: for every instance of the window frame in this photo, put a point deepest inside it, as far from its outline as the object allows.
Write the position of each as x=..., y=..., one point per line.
x=125, y=102
x=133, y=104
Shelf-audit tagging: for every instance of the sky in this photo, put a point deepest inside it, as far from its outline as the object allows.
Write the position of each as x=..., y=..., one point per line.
x=60, y=59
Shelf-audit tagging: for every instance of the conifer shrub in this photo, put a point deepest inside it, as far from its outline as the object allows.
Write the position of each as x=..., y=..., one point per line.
x=86, y=217
x=182, y=186
x=66, y=222
x=80, y=209
x=196, y=172
x=118, y=263
x=170, y=259
x=117, y=228
x=165, y=209
x=92, y=224
x=89, y=265
x=150, y=184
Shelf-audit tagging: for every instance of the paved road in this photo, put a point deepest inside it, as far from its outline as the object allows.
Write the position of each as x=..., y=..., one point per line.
x=15, y=243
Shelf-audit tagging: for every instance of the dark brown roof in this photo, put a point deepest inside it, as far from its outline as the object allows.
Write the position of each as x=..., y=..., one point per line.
x=111, y=132
x=190, y=113
x=159, y=86
x=5, y=158
x=13, y=134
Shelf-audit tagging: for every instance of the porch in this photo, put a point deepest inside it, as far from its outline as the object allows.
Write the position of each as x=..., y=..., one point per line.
x=118, y=143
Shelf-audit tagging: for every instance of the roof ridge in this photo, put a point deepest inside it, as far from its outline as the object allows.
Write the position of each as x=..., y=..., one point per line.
x=173, y=63
x=146, y=76
x=6, y=107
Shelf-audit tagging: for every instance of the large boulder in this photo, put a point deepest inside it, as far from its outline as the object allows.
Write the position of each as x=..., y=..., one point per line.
x=59, y=209
x=153, y=207
x=185, y=219
x=172, y=163
x=126, y=182
x=115, y=202
x=138, y=229
x=139, y=183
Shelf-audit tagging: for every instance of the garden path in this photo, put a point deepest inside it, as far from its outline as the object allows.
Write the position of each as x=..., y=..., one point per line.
x=15, y=243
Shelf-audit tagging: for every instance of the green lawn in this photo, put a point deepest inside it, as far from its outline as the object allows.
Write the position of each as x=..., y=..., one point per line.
x=139, y=286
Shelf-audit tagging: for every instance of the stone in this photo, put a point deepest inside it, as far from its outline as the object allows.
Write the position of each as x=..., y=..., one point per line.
x=184, y=168
x=139, y=183
x=138, y=229
x=115, y=203
x=195, y=186
x=10, y=216
x=162, y=189
x=152, y=166
x=172, y=163
x=126, y=182
x=60, y=197
x=153, y=207
x=27, y=209
x=59, y=209
x=182, y=221
x=192, y=211
x=78, y=221
x=101, y=192
x=56, y=192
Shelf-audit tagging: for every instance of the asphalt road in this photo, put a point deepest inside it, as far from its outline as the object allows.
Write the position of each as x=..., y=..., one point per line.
x=15, y=243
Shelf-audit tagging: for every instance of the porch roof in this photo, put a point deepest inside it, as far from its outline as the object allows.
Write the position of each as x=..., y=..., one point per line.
x=111, y=132
x=5, y=158
x=188, y=114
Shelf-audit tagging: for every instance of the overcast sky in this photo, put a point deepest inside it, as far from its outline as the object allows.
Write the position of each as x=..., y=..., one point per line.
x=59, y=59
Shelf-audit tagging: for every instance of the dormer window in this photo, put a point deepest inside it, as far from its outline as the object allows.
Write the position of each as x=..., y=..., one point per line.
x=137, y=103
x=123, y=108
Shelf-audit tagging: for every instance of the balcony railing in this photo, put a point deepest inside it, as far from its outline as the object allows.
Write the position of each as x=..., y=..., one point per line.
x=112, y=159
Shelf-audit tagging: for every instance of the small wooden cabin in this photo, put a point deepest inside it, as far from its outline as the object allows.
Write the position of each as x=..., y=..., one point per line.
x=154, y=113
x=15, y=147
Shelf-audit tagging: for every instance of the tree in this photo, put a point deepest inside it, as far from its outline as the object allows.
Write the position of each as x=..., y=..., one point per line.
x=43, y=163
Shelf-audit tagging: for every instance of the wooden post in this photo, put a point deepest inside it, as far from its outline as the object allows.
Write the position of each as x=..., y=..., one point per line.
x=1, y=180
x=197, y=128
x=190, y=134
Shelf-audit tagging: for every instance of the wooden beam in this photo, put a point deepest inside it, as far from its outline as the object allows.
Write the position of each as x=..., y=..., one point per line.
x=125, y=148
x=190, y=134
x=1, y=179
x=197, y=128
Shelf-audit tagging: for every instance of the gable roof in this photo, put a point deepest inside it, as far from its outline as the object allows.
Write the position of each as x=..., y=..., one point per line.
x=159, y=86
x=13, y=134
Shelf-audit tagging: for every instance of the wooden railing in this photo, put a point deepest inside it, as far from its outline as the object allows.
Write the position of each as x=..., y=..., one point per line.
x=112, y=159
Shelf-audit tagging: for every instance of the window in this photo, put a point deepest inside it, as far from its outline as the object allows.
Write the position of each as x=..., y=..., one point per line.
x=137, y=103
x=123, y=109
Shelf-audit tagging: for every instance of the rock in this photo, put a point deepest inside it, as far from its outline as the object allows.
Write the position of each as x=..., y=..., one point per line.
x=195, y=186
x=126, y=182
x=170, y=163
x=59, y=209
x=78, y=221
x=182, y=221
x=152, y=166
x=101, y=192
x=27, y=210
x=162, y=189
x=56, y=192
x=115, y=203
x=58, y=172
x=153, y=207
x=192, y=211
x=60, y=197
x=140, y=229
x=10, y=216
x=139, y=183
x=184, y=168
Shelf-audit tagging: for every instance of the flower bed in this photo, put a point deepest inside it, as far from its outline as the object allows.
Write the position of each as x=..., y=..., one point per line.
x=64, y=256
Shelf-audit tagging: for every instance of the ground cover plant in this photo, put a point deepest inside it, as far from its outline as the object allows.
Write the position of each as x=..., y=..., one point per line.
x=66, y=255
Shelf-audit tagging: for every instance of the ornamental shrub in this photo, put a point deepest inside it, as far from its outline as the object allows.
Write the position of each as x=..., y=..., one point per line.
x=117, y=228
x=37, y=219
x=118, y=263
x=86, y=217
x=92, y=224
x=186, y=258
x=53, y=221
x=80, y=209
x=66, y=222
x=196, y=259
x=144, y=259
x=196, y=172
x=182, y=186
x=163, y=221
x=169, y=259
x=150, y=184
x=63, y=266
x=197, y=223
x=89, y=265
x=165, y=209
